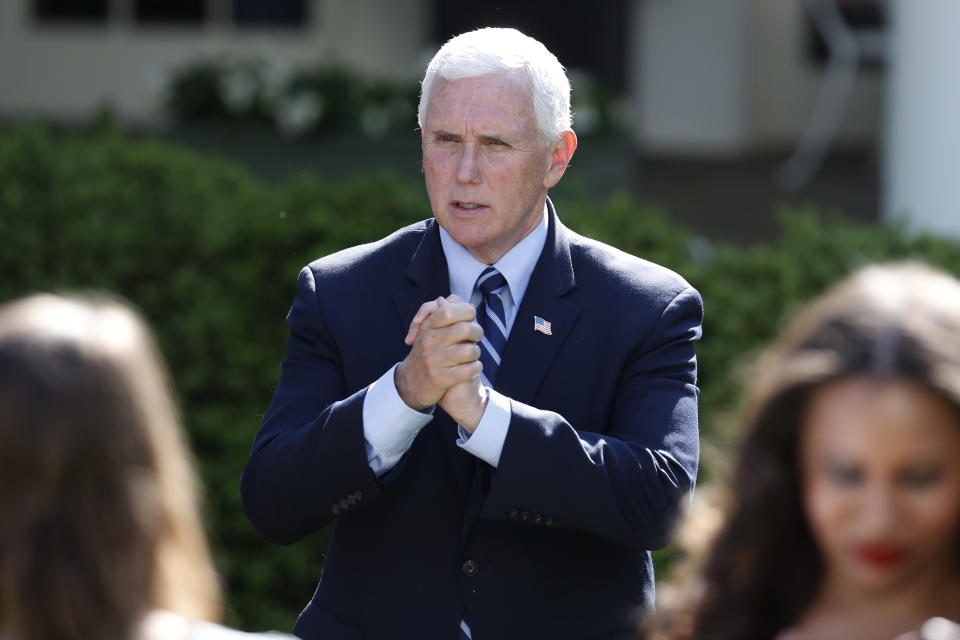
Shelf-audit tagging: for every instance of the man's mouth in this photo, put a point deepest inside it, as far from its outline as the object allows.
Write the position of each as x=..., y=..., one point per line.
x=469, y=206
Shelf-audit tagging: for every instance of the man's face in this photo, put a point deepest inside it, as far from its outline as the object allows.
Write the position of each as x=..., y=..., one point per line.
x=487, y=171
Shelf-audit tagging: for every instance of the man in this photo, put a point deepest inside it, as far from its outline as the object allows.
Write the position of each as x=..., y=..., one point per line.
x=504, y=481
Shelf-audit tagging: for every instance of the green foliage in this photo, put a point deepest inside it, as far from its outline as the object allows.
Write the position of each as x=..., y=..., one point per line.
x=210, y=255
x=301, y=101
x=328, y=97
x=749, y=295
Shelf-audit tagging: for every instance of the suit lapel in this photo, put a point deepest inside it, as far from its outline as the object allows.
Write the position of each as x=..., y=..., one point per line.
x=430, y=279
x=528, y=354
x=427, y=272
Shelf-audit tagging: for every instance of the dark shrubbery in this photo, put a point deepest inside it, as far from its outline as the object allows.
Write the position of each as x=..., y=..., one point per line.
x=210, y=255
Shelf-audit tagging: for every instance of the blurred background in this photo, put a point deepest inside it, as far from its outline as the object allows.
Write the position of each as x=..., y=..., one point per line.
x=193, y=155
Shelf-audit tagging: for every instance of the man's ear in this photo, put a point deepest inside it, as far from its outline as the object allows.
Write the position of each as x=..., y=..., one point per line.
x=560, y=155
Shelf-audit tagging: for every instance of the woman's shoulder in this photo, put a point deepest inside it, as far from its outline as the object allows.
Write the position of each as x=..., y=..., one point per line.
x=932, y=629
x=165, y=625
x=211, y=631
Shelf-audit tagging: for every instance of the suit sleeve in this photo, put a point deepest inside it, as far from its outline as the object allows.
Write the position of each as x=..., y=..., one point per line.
x=627, y=483
x=309, y=458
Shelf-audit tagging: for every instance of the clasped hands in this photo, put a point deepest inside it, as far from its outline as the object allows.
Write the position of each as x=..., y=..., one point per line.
x=443, y=366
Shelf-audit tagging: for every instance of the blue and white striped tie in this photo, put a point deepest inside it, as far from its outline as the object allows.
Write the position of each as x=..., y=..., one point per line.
x=493, y=321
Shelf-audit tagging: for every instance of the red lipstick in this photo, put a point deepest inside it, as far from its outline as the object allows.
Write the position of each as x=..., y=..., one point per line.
x=879, y=555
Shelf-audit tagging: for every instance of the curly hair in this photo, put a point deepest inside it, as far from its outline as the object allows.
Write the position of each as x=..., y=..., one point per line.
x=763, y=568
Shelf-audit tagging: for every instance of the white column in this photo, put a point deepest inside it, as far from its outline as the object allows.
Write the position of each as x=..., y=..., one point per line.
x=922, y=150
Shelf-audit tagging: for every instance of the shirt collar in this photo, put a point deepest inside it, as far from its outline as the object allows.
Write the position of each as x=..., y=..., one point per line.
x=516, y=265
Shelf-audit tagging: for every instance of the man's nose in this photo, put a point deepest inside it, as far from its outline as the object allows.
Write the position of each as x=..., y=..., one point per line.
x=468, y=171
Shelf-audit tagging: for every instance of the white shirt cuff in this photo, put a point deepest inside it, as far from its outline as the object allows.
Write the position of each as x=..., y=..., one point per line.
x=389, y=425
x=487, y=439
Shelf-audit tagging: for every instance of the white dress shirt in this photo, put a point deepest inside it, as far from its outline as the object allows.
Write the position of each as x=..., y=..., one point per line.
x=389, y=425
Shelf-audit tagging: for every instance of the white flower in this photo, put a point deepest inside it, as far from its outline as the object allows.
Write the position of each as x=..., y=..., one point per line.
x=297, y=113
x=276, y=78
x=238, y=88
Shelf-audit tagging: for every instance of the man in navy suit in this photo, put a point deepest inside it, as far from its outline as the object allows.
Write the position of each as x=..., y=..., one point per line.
x=499, y=414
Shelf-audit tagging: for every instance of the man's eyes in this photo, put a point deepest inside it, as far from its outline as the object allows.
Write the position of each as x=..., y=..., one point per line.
x=487, y=142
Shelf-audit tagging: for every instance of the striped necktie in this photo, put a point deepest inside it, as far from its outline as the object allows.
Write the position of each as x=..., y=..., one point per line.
x=493, y=320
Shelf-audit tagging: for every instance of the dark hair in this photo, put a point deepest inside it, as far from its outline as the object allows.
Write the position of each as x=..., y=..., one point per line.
x=98, y=515
x=763, y=568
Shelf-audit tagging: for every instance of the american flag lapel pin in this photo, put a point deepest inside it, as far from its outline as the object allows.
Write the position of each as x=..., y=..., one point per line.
x=543, y=326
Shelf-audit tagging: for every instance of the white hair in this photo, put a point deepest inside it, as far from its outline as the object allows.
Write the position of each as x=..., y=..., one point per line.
x=492, y=51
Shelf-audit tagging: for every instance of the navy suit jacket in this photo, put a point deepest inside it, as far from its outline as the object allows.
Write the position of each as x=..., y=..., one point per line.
x=601, y=450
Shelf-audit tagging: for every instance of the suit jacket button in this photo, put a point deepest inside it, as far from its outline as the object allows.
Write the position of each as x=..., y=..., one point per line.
x=336, y=509
x=469, y=568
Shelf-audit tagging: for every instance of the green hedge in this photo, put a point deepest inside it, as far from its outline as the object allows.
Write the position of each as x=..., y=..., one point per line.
x=210, y=255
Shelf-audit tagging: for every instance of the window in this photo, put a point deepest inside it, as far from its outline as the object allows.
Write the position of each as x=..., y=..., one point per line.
x=188, y=13
x=866, y=20
x=170, y=11
x=70, y=10
x=273, y=13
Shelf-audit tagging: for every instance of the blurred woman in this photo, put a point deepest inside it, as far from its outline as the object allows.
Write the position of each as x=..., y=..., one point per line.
x=100, y=535
x=843, y=514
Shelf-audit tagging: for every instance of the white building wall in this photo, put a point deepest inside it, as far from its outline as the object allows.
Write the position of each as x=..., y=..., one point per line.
x=707, y=77
x=721, y=77
x=689, y=68
x=66, y=72
x=921, y=170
